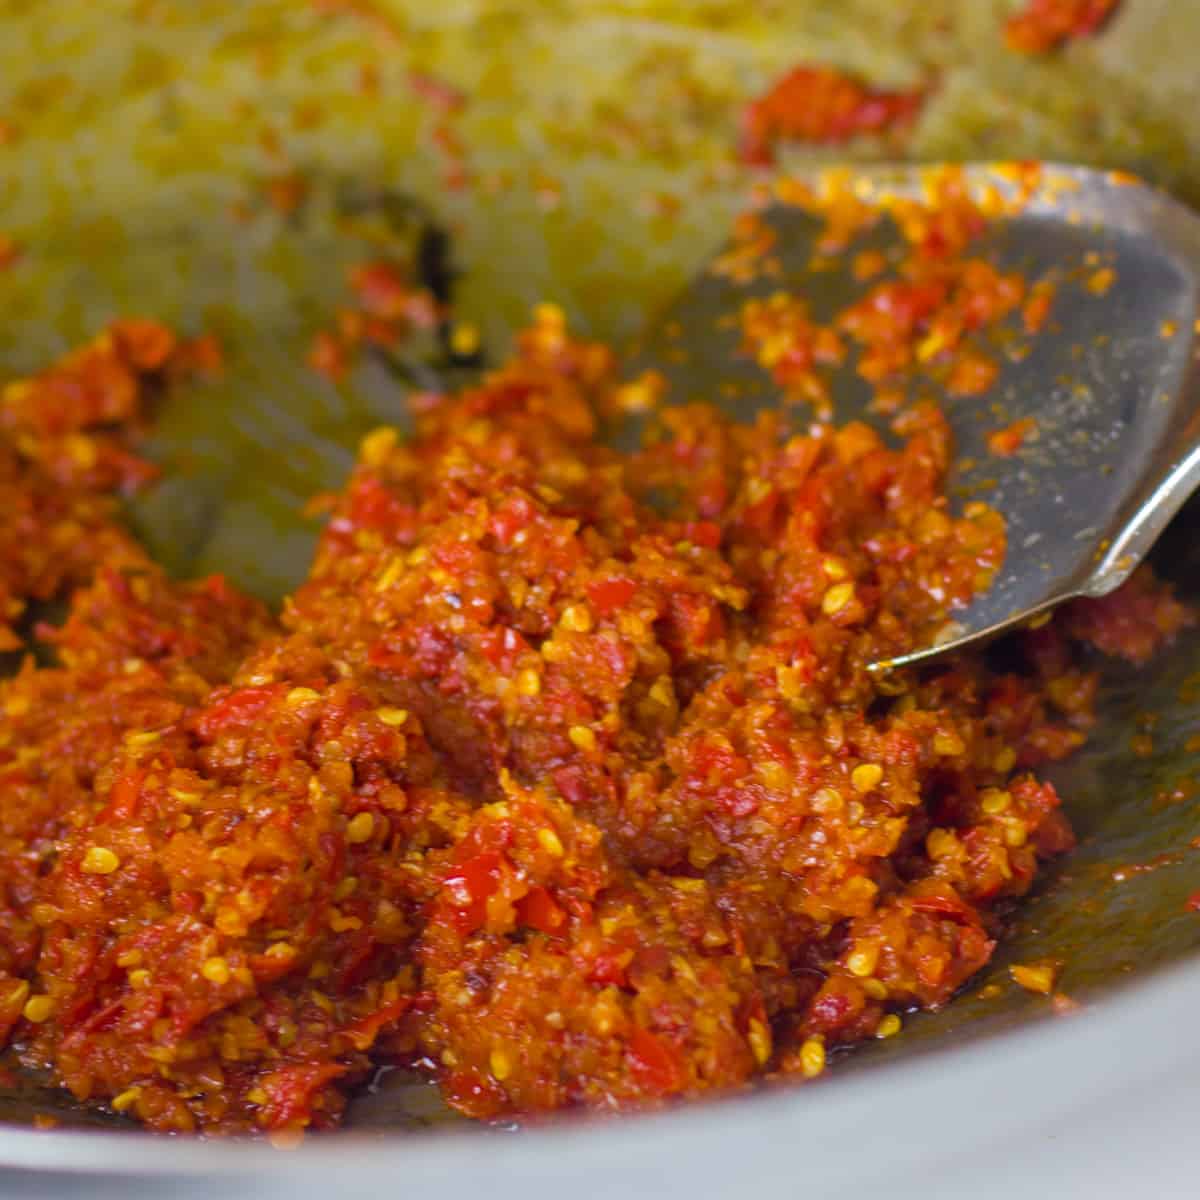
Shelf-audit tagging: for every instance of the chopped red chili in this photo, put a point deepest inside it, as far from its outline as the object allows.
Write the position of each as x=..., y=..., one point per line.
x=566, y=799
x=821, y=104
x=1044, y=25
x=1007, y=441
x=388, y=308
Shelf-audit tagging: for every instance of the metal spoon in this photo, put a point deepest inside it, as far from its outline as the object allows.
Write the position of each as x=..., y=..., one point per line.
x=1112, y=382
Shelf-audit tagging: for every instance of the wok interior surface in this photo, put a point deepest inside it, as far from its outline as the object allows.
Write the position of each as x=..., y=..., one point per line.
x=148, y=134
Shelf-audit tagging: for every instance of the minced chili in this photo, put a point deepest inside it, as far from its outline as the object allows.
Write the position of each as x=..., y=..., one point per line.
x=816, y=103
x=563, y=797
x=1043, y=25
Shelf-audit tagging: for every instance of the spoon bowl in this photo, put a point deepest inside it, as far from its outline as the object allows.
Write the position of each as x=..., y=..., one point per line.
x=1108, y=389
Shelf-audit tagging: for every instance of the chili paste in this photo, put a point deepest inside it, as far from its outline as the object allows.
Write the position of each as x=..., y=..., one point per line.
x=568, y=798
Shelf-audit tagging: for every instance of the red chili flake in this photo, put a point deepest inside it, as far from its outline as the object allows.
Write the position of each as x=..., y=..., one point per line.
x=1054, y=835
x=327, y=355
x=943, y=902
x=1044, y=25
x=609, y=967
x=655, y=1063
x=1192, y=903
x=389, y=307
x=467, y=888
x=509, y=520
x=201, y=354
x=289, y=1091
x=972, y=374
x=286, y=193
x=607, y=595
x=835, y=1006
x=123, y=798
x=1037, y=307
x=9, y=251
x=1007, y=441
x=443, y=96
x=381, y=289
x=823, y=105
x=538, y=910
x=474, y=1093
x=364, y=1031
x=239, y=706
x=704, y=533
x=146, y=344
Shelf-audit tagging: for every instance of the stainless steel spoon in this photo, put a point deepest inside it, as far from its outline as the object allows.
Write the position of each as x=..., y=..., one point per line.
x=1113, y=383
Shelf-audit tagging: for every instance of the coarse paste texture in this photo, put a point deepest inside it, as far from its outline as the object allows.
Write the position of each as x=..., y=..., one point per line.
x=568, y=798
x=561, y=799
